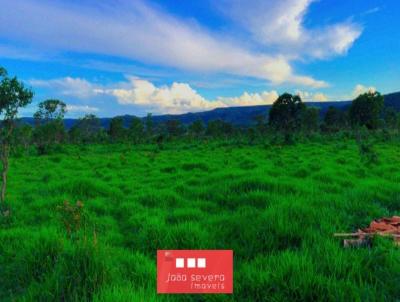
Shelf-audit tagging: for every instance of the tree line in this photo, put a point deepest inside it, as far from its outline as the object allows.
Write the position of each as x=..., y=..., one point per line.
x=288, y=117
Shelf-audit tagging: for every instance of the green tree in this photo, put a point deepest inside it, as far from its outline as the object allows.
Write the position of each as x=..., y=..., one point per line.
x=136, y=130
x=50, y=110
x=219, y=128
x=261, y=124
x=390, y=117
x=286, y=115
x=398, y=121
x=49, y=129
x=366, y=109
x=13, y=96
x=310, y=119
x=149, y=125
x=23, y=134
x=86, y=130
x=251, y=135
x=174, y=128
x=116, y=131
x=334, y=120
x=196, y=129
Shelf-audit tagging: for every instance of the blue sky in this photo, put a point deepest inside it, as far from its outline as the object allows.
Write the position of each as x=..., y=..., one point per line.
x=136, y=56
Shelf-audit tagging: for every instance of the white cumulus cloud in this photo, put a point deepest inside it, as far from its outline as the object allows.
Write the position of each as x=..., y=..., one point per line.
x=181, y=97
x=360, y=89
x=174, y=99
x=251, y=99
x=177, y=98
x=312, y=96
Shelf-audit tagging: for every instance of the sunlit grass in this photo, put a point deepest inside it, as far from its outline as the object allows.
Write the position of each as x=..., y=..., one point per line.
x=276, y=207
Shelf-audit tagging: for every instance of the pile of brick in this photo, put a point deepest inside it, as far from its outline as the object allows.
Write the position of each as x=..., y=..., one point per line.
x=381, y=227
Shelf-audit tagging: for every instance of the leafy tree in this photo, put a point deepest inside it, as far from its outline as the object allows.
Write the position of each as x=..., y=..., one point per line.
x=261, y=124
x=390, y=117
x=49, y=128
x=196, y=129
x=160, y=141
x=251, y=135
x=219, y=128
x=50, y=110
x=13, y=96
x=286, y=113
x=310, y=119
x=136, y=130
x=149, y=125
x=174, y=128
x=23, y=134
x=86, y=130
x=366, y=109
x=117, y=132
x=334, y=119
x=398, y=121
x=102, y=136
x=367, y=152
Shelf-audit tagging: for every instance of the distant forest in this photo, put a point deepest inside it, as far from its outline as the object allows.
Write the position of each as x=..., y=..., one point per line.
x=238, y=116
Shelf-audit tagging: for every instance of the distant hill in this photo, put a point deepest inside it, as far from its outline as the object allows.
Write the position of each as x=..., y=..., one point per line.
x=393, y=100
x=240, y=116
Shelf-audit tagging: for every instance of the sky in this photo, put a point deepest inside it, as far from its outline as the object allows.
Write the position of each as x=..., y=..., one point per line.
x=162, y=56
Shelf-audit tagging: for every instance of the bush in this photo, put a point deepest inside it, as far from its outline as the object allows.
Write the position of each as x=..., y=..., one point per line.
x=365, y=146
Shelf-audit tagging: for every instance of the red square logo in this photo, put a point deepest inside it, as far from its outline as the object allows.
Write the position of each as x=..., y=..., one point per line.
x=195, y=271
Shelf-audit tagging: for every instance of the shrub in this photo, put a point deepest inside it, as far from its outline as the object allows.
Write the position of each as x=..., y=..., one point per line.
x=72, y=216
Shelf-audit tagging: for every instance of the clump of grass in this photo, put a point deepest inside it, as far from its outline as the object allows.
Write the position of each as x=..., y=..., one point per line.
x=168, y=170
x=193, y=166
x=152, y=200
x=79, y=271
x=247, y=164
x=72, y=216
x=85, y=188
x=301, y=173
x=366, y=149
x=367, y=153
x=184, y=215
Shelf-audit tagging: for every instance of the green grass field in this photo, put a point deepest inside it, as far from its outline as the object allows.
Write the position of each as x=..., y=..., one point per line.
x=276, y=207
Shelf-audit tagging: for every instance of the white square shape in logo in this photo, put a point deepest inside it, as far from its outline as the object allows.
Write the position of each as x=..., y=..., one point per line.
x=191, y=262
x=201, y=262
x=179, y=262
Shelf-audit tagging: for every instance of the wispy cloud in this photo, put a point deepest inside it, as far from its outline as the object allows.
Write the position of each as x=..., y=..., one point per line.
x=139, y=31
x=81, y=109
x=371, y=11
x=68, y=86
x=12, y=52
x=280, y=23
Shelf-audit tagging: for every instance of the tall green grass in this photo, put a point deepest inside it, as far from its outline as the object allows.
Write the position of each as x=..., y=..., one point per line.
x=276, y=207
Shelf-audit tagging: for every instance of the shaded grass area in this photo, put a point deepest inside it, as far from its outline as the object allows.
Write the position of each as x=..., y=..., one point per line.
x=276, y=207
